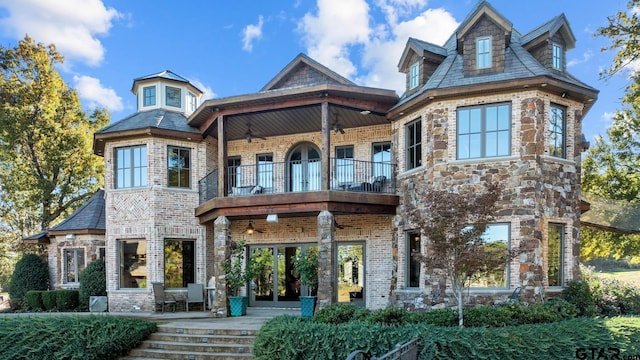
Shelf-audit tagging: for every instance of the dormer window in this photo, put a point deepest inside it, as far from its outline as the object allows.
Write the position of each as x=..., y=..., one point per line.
x=173, y=96
x=149, y=95
x=193, y=102
x=483, y=53
x=557, y=57
x=414, y=75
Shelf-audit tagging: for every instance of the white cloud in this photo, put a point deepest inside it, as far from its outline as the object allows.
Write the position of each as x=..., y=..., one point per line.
x=337, y=25
x=207, y=92
x=95, y=95
x=331, y=42
x=72, y=25
x=251, y=33
x=586, y=56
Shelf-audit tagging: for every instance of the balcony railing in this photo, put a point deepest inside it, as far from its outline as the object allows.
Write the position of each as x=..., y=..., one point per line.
x=301, y=176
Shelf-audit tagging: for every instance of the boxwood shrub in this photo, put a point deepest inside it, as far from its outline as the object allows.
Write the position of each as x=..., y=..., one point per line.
x=288, y=337
x=33, y=298
x=66, y=300
x=49, y=300
x=31, y=273
x=93, y=282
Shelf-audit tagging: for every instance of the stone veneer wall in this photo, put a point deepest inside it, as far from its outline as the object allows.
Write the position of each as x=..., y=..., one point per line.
x=538, y=189
x=153, y=213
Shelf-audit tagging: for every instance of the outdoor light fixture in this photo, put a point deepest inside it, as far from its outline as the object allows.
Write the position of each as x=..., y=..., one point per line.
x=71, y=237
x=272, y=218
x=365, y=112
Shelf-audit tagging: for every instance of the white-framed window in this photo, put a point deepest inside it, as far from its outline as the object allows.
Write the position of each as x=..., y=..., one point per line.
x=414, y=75
x=556, y=141
x=73, y=262
x=344, y=164
x=193, y=102
x=179, y=263
x=556, y=56
x=131, y=167
x=132, y=265
x=496, y=236
x=149, y=96
x=413, y=242
x=414, y=144
x=264, y=169
x=173, y=96
x=484, y=131
x=483, y=52
x=178, y=167
x=555, y=244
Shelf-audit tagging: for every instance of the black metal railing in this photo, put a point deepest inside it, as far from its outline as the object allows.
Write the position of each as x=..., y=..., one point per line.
x=301, y=176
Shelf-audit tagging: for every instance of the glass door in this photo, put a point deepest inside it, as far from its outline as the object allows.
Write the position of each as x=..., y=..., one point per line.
x=351, y=273
x=275, y=282
x=304, y=167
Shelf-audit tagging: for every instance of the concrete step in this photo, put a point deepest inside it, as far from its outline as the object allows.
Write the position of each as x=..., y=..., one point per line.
x=187, y=355
x=195, y=339
x=205, y=331
x=178, y=345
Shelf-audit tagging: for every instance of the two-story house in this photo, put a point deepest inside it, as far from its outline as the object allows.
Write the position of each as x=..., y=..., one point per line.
x=314, y=160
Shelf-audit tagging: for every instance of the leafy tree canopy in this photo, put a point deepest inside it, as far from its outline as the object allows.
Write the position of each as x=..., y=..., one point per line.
x=47, y=166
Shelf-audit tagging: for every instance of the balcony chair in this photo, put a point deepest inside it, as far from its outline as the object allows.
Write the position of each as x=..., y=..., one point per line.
x=195, y=294
x=162, y=299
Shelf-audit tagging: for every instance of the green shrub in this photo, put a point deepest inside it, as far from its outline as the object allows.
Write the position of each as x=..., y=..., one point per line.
x=439, y=317
x=340, y=313
x=93, y=282
x=66, y=300
x=49, y=300
x=288, y=337
x=33, y=298
x=388, y=316
x=71, y=337
x=578, y=293
x=31, y=273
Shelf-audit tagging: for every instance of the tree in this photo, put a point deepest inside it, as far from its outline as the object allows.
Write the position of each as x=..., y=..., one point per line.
x=453, y=224
x=47, y=166
x=624, y=31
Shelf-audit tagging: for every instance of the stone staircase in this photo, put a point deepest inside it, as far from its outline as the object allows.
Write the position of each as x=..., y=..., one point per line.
x=171, y=342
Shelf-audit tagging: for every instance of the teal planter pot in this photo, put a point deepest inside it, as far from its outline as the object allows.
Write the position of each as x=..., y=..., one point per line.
x=307, y=306
x=238, y=305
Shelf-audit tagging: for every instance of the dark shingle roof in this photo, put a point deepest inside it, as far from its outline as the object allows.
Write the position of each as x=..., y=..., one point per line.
x=89, y=216
x=158, y=118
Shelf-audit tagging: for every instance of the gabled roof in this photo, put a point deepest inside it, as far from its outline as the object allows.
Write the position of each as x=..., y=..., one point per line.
x=164, y=75
x=317, y=74
x=547, y=30
x=483, y=8
x=89, y=216
x=422, y=48
x=157, y=118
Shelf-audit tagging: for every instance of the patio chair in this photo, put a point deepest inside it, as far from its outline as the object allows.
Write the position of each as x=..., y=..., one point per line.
x=195, y=294
x=513, y=298
x=162, y=299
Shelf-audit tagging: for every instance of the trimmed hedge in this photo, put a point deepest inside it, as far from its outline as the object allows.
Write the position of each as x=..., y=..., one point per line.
x=93, y=282
x=70, y=337
x=33, y=298
x=66, y=300
x=288, y=337
x=49, y=300
x=31, y=273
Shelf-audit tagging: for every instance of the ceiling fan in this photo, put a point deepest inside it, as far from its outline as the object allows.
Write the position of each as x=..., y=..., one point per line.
x=249, y=135
x=340, y=226
x=337, y=127
x=250, y=229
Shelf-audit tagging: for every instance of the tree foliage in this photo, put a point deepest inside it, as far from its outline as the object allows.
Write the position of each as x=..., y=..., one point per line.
x=47, y=166
x=453, y=224
x=624, y=31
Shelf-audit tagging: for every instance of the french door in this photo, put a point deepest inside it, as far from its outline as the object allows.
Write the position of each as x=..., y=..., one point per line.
x=304, y=168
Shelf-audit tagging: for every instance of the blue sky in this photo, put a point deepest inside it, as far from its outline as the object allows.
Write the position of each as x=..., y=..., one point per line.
x=233, y=47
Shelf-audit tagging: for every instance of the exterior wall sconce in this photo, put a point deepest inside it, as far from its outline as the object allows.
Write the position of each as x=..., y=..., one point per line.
x=272, y=218
x=71, y=237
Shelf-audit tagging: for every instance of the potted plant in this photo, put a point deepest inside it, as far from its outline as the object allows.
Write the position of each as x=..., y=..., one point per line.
x=238, y=274
x=306, y=266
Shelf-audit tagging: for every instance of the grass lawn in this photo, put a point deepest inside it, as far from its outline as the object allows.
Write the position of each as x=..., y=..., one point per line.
x=628, y=276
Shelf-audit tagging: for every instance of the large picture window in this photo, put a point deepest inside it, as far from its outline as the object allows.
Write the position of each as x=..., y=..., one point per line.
x=133, y=264
x=556, y=139
x=131, y=167
x=178, y=167
x=414, y=145
x=484, y=131
x=413, y=241
x=483, y=52
x=179, y=263
x=73, y=264
x=496, y=237
x=555, y=244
